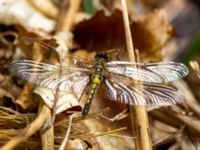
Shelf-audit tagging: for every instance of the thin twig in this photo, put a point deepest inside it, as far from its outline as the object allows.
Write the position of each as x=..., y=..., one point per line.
x=64, y=142
x=88, y=135
x=138, y=114
x=117, y=117
x=165, y=140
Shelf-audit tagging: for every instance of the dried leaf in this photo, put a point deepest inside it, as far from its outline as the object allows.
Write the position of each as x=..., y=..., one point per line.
x=100, y=32
x=21, y=12
x=150, y=32
x=64, y=102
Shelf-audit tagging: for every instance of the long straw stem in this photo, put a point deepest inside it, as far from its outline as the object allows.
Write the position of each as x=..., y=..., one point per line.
x=138, y=114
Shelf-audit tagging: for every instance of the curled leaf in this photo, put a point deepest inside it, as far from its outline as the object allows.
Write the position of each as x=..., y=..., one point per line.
x=63, y=102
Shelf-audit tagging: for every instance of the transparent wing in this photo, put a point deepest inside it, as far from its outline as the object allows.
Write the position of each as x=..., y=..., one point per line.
x=54, y=77
x=29, y=42
x=150, y=72
x=147, y=94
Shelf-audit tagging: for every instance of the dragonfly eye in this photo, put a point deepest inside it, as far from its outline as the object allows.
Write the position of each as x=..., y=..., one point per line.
x=102, y=55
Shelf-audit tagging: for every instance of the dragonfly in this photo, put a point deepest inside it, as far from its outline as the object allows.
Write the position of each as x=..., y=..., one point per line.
x=118, y=78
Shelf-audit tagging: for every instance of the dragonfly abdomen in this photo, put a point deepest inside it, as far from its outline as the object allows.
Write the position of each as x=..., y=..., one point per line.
x=96, y=81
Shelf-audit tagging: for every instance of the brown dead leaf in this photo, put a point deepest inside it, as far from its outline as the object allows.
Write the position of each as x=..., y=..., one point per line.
x=100, y=32
x=150, y=32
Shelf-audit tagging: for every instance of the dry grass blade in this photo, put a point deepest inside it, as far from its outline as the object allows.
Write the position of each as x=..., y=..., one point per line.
x=80, y=130
x=29, y=130
x=12, y=119
x=104, y=133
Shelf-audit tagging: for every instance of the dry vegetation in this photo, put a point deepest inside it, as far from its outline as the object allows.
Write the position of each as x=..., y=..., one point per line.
x=33, y=117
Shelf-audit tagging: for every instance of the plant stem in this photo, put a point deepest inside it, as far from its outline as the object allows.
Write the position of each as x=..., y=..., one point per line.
x=138, y=114
x=47, y=137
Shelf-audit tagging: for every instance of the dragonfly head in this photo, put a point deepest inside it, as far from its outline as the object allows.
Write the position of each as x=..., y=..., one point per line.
x=102, y=56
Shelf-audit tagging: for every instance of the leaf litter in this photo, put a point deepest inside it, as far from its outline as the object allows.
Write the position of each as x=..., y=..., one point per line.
x=151, y=34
